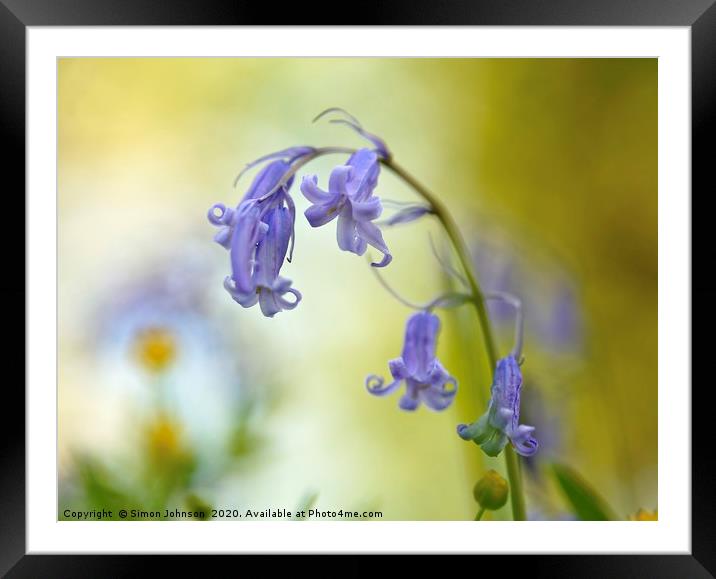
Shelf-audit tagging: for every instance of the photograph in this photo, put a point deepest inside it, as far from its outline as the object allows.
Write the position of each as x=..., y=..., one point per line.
x=357, y=289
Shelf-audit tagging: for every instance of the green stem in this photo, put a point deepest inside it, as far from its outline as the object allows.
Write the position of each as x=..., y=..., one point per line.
x=514, y=475
x=479, y=514
x=478, y=300
x=443, y=215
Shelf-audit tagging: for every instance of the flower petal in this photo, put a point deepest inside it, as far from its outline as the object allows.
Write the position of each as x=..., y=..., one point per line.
x=223, y=237
x=346, y=230
x=268, y=303
x=247, y=233
x=312, y=192
x=338, y=179
x=523, y=441
x=411, y=399
x=507, y=384
x=219, y=214
x=367, y=210
x=374, y=385
x=419, y=344
x=286, y=304
x=290, y=155
x=408, y=403
x=372, y=235
x=440, y=376
x=267, y=179
x=437, y=398
x=318, y=215
x=246, y=300
x=398, y=369
x=364, y=174
x=360, y=246
x=292, y=214
x=272, y=248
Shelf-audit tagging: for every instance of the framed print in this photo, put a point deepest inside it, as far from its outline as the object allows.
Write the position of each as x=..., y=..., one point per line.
x=361, y=289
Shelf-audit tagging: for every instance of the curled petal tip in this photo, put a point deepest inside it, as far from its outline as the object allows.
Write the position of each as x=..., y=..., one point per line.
x=373, y=382
x=375, y=385
x=526, y=448
x=216, y=214
x=387, y=258
x=290, y=305
x=463, y=431
x=523, y=441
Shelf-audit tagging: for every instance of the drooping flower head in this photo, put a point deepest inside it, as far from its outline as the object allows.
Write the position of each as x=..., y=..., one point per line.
x=500, y=423
x=258, y=234
x=425, y=377
x=350, y=198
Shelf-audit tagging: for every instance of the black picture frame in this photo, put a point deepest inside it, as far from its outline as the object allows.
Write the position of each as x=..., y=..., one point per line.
x=17, y=15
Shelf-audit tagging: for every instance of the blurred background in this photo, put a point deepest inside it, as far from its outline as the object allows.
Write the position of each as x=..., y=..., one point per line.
x=172, y=395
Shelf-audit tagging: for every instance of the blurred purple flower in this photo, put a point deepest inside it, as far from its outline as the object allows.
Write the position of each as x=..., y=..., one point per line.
x=551, y=306
x=425, y=377
x=562, y=324
x=500, y=422
x=350, y=198
x=548, y=412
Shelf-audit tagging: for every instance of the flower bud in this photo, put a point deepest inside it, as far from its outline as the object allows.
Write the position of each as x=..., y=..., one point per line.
x=491, y=491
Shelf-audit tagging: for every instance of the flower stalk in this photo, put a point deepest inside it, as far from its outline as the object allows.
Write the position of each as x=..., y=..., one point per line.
x=253, y=280
x=478, y=300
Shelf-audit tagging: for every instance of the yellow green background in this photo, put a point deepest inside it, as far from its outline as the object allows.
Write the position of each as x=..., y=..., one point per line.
x=556, y=156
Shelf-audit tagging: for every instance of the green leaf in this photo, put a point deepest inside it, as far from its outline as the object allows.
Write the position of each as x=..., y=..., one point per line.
x=586, y=502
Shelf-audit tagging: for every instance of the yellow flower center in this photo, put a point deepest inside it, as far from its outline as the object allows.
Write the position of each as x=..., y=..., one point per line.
x=163, y=437
x=155, y=348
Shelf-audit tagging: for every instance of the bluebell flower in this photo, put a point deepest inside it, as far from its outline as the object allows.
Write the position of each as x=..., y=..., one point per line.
x=350, y=199
x=424, y=376
x=500, y=423
x=258, y=280
x=257, y=234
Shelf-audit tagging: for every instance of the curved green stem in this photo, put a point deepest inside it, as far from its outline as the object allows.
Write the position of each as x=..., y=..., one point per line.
x=478, y=299
x=479, y=514
x=442, y=214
